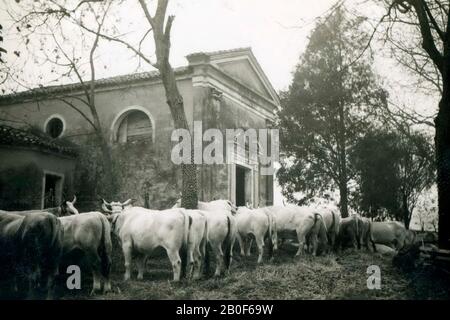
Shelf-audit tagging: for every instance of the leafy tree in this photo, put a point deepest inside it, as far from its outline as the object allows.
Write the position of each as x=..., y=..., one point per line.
x=326, y=108
x=375, y=158
x=393, y=171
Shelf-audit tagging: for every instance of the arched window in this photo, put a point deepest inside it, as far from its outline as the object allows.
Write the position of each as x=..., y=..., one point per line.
x=134, y=125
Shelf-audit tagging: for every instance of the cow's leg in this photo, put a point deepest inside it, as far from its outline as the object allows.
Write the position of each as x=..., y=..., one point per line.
x=50, y=282
x=354, y=241
x=302, y=231
x=217, y=249
x=197, y=263
x=140, y=261
x=332, y=241
x=191, y=261
x=127, y=255
x=314, y=242
x=260, y=245
x=96, y=273
x=301, y=243
x=361, y=240
x=97, y=285
x=107, y=286
x=175, y=260
x=241, y=244
x=249, y=245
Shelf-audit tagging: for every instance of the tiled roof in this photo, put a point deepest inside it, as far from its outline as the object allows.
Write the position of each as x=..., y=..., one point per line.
x=43, y=92
x=10, y=136
x=105, y=82
x=214, y=53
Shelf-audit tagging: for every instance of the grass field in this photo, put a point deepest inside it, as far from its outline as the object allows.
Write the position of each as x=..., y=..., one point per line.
x=331, y=276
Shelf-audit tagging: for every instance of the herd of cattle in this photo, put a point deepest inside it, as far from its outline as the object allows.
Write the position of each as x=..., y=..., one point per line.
x=34, y=243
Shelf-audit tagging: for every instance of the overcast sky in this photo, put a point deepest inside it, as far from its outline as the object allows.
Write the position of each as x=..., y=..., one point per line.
x=276, y=30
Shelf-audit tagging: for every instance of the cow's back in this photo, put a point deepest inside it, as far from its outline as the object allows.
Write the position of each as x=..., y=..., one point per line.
x=252, y=221
x=291, y=217
x=84, y=230
x=388, y=232
x=217, y=224
x=331, y=217
x=148, y=229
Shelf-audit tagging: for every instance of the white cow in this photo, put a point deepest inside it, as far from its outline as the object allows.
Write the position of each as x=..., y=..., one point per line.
x=142, y=230
x=305, y=221
x=331, y=216
x=222, y=232
x=256, y=222
x=391, y=233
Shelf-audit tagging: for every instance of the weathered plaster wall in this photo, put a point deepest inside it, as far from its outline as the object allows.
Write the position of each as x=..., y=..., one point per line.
x=21, y=176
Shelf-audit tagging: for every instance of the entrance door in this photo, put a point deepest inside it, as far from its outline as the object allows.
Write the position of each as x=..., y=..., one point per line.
x=240, y=186
x=52, y=190
x=243, y=186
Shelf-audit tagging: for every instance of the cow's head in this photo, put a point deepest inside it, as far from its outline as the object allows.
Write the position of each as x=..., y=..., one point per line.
x=115, y=207
x=68, y=207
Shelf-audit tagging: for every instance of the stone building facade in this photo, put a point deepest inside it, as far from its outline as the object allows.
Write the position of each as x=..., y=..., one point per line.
x=224, y=90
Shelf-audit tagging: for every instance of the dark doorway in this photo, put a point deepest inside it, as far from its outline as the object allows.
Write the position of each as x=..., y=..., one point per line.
x=52, y=192
x=240, y=186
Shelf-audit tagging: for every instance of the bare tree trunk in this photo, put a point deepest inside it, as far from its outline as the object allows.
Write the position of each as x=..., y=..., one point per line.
x=161, y=34
x=343, y=189
x=442, y=142
x=406, y=212
x=343, y=192
x=110, y=186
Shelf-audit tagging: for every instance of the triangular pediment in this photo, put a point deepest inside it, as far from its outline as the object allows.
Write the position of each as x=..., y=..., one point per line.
x=242, y=70
x=241, y=65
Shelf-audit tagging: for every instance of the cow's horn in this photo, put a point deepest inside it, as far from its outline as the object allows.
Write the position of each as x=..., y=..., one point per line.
x=105, y=208
x=127, y=202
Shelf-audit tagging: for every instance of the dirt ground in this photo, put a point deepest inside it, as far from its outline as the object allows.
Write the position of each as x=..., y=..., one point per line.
x=332, y=276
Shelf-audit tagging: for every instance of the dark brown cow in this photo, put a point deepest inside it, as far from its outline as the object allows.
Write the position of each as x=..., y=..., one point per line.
x=90, y=232
x=349, y=232
x=356, y=231
x=33, y=246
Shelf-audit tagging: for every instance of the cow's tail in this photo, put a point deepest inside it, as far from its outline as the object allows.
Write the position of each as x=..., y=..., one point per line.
x=105, y=248
x=371, y=237
x=320, y=228
x=332, y=233
x=185, y=245
x=270, y=232
x=229, y=241
x=204, y=242
x=357, y=232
